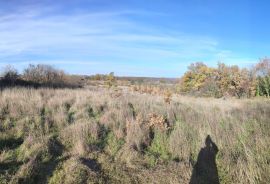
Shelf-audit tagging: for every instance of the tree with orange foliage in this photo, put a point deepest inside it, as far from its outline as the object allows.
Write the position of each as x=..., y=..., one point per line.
x=221, y=81
x=194, y=79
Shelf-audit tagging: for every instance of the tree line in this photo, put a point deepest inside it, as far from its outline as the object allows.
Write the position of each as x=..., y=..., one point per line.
x=36, y=76
x=224, y=80
x=199, y=80
x=110, y=79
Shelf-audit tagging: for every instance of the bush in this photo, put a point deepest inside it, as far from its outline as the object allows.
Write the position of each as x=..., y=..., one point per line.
x=263, y=86
x=224, y=80
x=39, y=76
x=44, y=74
x=159, y=148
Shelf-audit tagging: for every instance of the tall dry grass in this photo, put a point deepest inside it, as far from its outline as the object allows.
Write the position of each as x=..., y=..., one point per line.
x=134, y=137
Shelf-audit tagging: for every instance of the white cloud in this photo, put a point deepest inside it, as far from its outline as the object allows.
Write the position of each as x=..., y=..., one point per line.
x=35, y=31
x=100, y=36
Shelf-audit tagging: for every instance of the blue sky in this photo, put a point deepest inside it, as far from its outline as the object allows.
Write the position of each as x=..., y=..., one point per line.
x=157, y=38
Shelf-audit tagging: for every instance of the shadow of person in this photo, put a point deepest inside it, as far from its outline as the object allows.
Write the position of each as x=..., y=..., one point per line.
x=205, y=169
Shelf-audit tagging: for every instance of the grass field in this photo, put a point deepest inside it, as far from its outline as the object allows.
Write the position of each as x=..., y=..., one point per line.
x=98, y=135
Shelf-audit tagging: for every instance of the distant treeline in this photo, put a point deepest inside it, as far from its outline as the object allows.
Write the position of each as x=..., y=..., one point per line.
x=109, y=79
x=202, y=80
x=37, y=76
x=199, y=80
x=135, y=80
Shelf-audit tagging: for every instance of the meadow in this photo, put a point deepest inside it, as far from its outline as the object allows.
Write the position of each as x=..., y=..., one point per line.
x=119, y=135
x=134, y=92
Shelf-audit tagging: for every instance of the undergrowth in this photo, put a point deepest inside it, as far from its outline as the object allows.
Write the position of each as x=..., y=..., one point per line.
x=92, y=136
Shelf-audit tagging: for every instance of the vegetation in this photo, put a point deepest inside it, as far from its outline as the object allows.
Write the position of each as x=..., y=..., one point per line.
x=37, y=76
x=263, y=72
x=45, y=74
x=10, y=74
x=131, y=138
x=118, y=131
x=225, y=80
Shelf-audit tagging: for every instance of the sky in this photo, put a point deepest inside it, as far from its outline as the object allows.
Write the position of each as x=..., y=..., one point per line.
x=155, y=38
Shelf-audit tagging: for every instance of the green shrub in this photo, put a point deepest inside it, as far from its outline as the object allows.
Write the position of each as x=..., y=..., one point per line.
x=113, y=144
x=159, y=149
x=263, y=86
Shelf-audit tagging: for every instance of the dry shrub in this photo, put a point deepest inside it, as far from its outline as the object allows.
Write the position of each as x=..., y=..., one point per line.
x=137, y=134
x=158, y=121
x=167, y=97
x=81, y=137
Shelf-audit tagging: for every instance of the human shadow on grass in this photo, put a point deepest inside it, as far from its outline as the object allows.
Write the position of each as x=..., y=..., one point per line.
x=46, y=169
x=205, y=170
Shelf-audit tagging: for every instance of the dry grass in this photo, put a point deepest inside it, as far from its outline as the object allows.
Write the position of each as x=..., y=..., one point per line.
x=134, y=137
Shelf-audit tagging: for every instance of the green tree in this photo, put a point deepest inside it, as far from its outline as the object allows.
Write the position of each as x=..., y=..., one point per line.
x=262, y=71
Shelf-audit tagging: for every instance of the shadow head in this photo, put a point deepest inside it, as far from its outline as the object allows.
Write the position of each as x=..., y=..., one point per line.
x=208, y=141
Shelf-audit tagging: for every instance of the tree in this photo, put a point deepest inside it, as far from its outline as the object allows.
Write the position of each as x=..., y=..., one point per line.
x=221, y=81
x=10, y=74
x=44, y=74
x=262, y=68
x=262, y=72
x=195, y=78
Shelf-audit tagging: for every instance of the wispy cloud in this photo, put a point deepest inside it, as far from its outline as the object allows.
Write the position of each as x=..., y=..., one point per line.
x=106, y=37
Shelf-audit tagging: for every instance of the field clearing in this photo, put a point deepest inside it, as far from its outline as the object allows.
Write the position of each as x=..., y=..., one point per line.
x=99, y=135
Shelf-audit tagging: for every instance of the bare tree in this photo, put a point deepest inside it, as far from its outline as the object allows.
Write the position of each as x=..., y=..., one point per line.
x=44, y=74
x=10, y=74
